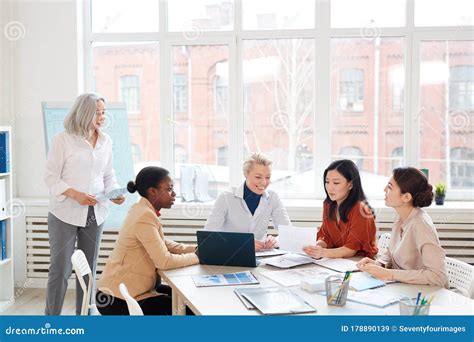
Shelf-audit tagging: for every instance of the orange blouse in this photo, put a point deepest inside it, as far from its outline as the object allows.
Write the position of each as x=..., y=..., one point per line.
x=358, y=233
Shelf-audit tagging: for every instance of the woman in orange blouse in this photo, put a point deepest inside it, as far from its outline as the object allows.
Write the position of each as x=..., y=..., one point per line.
x=348, y=227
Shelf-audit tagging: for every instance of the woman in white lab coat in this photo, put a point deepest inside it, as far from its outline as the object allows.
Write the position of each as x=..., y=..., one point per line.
x=250, y=207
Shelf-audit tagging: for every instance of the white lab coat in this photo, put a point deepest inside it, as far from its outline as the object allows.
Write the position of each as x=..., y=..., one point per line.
x=230, y=213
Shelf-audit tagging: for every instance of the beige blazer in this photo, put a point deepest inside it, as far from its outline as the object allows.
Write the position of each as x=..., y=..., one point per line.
x=139, y=252
x=415, y=252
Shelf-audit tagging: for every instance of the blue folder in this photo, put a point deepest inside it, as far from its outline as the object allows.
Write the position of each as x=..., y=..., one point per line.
x=4, y=152
x=3, y=239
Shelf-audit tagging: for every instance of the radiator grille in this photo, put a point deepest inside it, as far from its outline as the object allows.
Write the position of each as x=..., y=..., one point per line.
x=456, y=238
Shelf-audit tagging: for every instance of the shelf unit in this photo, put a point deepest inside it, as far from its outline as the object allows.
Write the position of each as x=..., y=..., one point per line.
x=6, y=265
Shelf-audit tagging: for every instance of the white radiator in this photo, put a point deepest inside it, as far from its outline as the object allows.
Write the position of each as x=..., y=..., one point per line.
x=456, y=238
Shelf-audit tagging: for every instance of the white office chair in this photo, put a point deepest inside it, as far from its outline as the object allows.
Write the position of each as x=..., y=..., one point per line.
x=382, y=244
x=460, y=276
x=81, y=268
x=133, y=307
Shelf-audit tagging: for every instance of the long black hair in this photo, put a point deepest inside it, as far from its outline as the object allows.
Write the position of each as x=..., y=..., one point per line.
x=148, y=177
x=349, y=171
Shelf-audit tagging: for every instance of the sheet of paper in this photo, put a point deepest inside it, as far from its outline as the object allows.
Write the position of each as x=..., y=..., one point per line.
x=288, y=260
x=373, y=298
x=270, y=252
x=361, y=281
x=340, y=264
x=295, y=276
x=112, y=194
x=293, y=239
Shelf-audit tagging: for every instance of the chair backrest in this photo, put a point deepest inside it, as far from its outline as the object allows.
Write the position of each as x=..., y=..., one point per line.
x=384, y=241
x=82, y=268
x=133, y=307
x=460, y=276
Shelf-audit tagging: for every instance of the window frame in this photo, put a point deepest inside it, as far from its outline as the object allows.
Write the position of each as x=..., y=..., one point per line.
x=322, y=33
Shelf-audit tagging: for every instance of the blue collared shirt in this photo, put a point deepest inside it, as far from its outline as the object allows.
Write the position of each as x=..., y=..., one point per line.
x=230, y=213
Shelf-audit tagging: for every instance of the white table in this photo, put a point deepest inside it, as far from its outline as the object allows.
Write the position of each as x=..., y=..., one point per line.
x=221, y=300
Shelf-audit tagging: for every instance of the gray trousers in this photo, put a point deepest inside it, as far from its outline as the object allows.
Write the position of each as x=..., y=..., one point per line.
x=62, y=240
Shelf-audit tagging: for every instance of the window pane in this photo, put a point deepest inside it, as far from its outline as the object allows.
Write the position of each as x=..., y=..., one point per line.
x=130, y=92
x=446, y=113
x=365, y=126
x=201, y=131
x=444, y=12
x=279, y=109
x=125, y=16
x=369, y=15
x=129, y=73
x=195, y=16
x=278, y=14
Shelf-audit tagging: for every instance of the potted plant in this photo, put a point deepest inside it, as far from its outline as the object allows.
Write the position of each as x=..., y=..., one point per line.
x=440, y=193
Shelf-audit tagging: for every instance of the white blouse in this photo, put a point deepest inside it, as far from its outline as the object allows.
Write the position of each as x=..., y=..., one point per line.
x=73, y=163
x=230, y=213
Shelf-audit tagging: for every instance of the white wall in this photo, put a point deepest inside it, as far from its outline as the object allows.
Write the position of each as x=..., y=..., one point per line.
x=5, y=66
x=43, y=67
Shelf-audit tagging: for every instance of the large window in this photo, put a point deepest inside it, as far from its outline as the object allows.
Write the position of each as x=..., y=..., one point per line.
x=203, y=130
x=277, y=75
x=362, y=82
x=382, y=82
x=446, y=112
x=116, y=70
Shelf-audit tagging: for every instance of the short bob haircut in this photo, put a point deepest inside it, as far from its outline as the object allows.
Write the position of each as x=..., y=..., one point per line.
x=80, y=119
x=255, y=158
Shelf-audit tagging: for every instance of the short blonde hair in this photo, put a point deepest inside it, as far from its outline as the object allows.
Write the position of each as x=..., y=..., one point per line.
x=80, y=119
x=256, y=158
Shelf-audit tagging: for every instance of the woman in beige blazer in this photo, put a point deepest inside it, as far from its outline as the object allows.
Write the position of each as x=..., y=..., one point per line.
x=141, y=250
x=414, y=255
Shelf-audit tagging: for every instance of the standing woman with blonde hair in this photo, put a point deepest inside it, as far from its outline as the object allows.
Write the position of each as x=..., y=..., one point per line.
x=249, y=207
x=79, y=167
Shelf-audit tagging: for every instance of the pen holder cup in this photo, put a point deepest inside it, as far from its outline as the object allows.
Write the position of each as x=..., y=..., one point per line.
x=408, y=307
x=336, y=290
